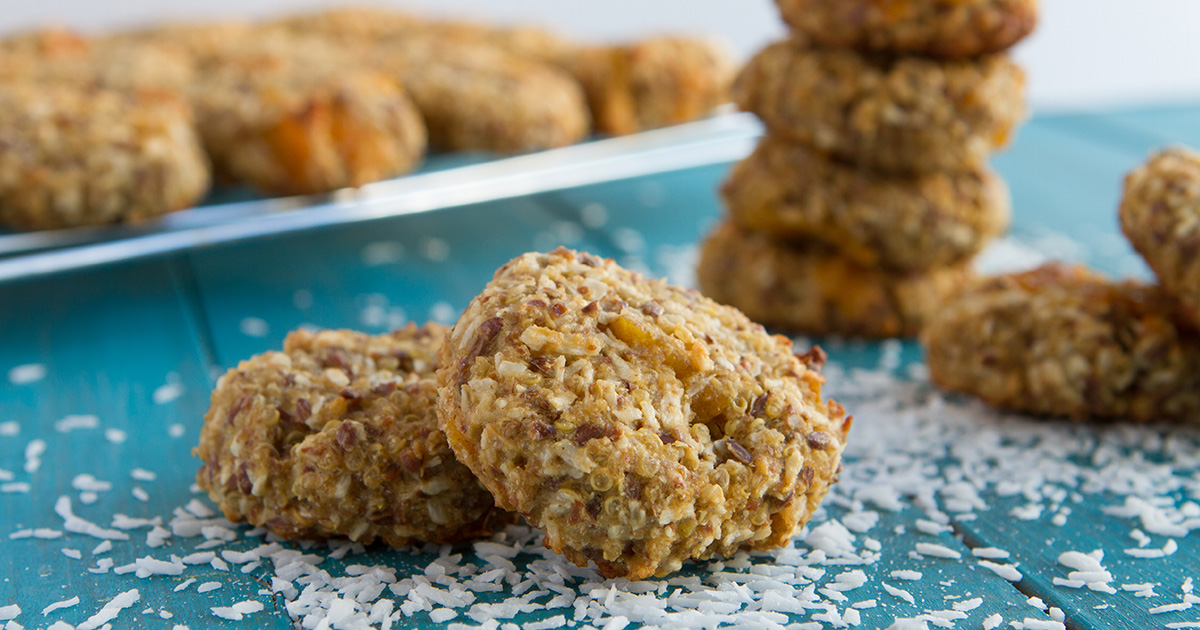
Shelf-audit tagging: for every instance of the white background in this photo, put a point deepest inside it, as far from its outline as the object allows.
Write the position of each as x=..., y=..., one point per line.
x=1086, y=54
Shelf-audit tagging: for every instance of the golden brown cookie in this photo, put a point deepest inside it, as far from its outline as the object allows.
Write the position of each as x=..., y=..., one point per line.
x=651, y=83
x=337, y=436
x=293, y=115
x=474, y=96
x=630, y=87
x=1064, y=341
x=73, y=156
x=639, y=424
x=64, y=57
x=899, y=222
x=897, y=114
x=809, y=287
x=1161, y=216
x=956, y=29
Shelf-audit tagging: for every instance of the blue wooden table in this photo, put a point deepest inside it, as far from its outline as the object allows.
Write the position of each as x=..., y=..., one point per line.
x=948, y=515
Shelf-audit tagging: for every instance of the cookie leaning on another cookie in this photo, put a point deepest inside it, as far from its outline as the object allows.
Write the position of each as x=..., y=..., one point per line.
x=1160, y=214
x=337, y=436
x=1064, y=341
x=810, y=287
x=938, y=28
x=899, y=222
x=902, y=115
x=639, y=424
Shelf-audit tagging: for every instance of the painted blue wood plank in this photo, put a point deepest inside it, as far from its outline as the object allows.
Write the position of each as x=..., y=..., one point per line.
x=124, y=380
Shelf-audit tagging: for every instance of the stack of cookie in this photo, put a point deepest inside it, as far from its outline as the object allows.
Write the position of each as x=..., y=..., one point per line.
x=870, y=194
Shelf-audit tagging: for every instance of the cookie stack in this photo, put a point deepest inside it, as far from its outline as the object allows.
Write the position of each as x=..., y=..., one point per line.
x=870, y=194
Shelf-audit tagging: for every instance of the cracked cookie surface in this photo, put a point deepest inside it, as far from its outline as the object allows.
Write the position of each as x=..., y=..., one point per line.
x=639, y=424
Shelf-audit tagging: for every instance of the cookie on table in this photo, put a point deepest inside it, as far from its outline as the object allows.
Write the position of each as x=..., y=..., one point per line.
x=475, y=96
x=1160, y=214
x=292, y=115
x=639, y=424
x=899, y=222
x=74, y=156
x=810, y=287
x=936, y=28
x=337, y=436
x=897, y=114
x=1064, y=341
x=651, y=83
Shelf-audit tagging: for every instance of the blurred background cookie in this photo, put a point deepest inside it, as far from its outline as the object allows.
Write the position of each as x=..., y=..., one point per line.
x=810, y=287
x=898, y=114
x=72, y=156
x=937, y=28
x=289, y=115
x=898, y=222
x=1160, y=213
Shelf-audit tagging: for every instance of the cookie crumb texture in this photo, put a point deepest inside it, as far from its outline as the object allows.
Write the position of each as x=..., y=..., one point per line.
x=937, y=28
x=898, y=222
x=639, y=424
x=1063, y=341
x=809, y=287
x=1160, y=214
x=337, y=436
x=72, y=156
x=896, y=114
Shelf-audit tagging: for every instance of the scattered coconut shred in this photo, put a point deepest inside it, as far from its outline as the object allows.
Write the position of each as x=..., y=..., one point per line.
x=919, y=464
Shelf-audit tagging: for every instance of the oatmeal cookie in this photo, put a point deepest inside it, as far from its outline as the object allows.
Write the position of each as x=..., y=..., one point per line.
x=372, y=25
x=337, y=436
x=639, y=424
x=73, y=156
x=1064, y=341
x=651, y=83
x=474, y=96
x=897, y=114
x=294, y=115
x=64, y=57
x=1161, y=216
x=937, y=28
x=630, y=87
x=899, y=222
x=807, y=286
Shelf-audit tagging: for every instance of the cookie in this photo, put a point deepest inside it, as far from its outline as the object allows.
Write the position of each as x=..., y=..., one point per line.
x=74, y=156
x=639, y=424
x=899, y=222
x=809, y=287
x=955, y=29
x=64, y=57
x=293, y=115
x=651, y=83
x=896, y=114
x=630, y=87
x=337, y=436
x=1064, y=341
x=474, y=96
x=1161, y=216
x=373, y=25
